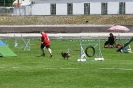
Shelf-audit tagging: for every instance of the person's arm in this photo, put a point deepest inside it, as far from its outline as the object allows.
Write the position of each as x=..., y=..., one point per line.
x=41, y=39
x=108, y=38
x=114, y=38
x=44, y=40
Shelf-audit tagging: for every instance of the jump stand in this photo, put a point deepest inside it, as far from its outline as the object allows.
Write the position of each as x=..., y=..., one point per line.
x=82, y=54
x=100, y=57
x=24, y=44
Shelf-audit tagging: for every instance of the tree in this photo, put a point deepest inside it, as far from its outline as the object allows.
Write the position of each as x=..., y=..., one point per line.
x=6, y=2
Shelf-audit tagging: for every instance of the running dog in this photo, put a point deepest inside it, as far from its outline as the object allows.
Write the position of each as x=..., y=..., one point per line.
x=65, y=55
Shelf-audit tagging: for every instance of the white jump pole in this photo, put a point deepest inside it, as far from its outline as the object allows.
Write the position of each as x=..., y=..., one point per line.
x=100, y=57
x=82, y=53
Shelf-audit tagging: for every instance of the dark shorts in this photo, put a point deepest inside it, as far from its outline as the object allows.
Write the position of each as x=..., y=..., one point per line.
x=42, y=46
x=109, y=42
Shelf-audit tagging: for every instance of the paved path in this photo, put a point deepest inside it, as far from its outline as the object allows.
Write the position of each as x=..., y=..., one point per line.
x=127, y=35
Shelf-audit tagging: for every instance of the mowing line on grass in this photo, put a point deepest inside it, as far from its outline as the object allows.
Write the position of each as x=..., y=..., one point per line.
x=115, y=69
x=114, y=54
x=95, y=69
x=75, y=68
x=10, y=67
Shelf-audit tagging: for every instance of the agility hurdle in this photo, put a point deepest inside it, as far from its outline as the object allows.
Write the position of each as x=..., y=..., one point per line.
x=100, y=56
x=83, y=55
x=7, y=39
x=20, y=42
x=85, y=47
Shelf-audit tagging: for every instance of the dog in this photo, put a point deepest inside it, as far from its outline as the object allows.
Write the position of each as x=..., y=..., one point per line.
x=65, y=55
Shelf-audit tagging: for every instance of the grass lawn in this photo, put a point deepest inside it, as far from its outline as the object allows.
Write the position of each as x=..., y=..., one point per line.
x=30, y=70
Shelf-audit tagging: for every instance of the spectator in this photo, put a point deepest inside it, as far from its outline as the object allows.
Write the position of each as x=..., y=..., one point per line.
x=110, y=42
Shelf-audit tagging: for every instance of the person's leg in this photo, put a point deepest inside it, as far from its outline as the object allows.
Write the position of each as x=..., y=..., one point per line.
x=111, y=44
x=50, y=51
x=42, y=49
x=106, y=44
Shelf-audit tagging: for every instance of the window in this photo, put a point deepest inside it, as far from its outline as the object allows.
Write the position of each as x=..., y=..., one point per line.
x=53, y=9
x=69, y=8
x=122, y=8
x=86, y=8
x=104, y=8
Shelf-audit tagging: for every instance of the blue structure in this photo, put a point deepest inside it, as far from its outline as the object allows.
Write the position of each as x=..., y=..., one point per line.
x=5, y=51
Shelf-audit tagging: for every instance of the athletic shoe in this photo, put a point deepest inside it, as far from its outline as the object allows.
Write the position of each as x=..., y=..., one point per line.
x=105, y=46
x=43, y=55
x=112, y=46
x=51, y=55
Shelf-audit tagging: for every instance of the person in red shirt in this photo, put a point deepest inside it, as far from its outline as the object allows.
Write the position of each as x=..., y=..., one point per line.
x=45, y=42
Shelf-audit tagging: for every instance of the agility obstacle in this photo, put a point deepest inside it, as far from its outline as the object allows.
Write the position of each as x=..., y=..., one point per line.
x=6, y=40
x=123, y=47
x=5, y=51
x=83, y=55
x=20, y=42
x=100, y=56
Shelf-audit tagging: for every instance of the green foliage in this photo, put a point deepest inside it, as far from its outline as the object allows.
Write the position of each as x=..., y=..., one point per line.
x=30, y=70
x=7, y=2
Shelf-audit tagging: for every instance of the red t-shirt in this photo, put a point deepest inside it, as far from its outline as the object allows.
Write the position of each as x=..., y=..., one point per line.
x=45, y=39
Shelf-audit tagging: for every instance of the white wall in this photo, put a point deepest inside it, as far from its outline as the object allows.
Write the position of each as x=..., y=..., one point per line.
x=20, y=11
x=61, y=9
x=41, y=9
x=73, y=1
x=78, y=8
x=129, y=7
x=28, y=10
x=113, y=7
x=95, y=8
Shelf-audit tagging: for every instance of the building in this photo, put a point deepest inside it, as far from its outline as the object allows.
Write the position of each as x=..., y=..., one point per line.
x=73, y=7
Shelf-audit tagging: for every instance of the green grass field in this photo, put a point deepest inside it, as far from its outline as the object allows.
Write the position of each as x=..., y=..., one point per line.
x=30, y=70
